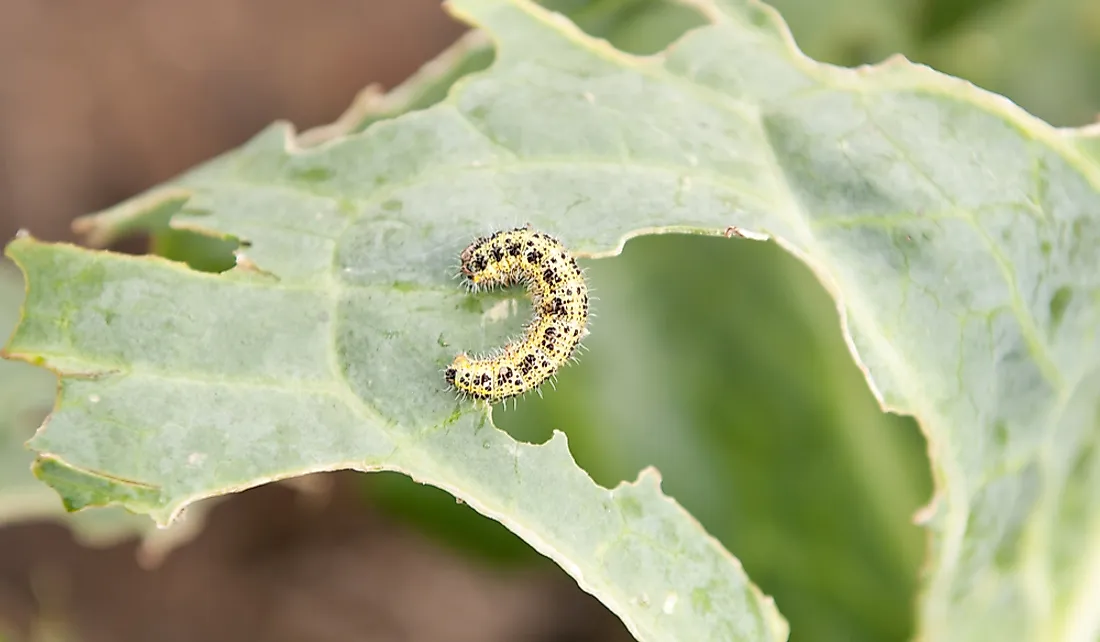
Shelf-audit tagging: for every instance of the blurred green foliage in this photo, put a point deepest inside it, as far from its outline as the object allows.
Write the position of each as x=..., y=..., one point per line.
x=199, y=251
x=1042, y=54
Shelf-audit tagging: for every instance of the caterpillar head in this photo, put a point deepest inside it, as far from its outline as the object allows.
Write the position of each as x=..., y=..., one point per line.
x=474, y=260
x=461, y=361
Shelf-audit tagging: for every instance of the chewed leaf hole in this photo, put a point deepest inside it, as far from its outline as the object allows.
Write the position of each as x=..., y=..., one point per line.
x=199, y=251
x=721, y=362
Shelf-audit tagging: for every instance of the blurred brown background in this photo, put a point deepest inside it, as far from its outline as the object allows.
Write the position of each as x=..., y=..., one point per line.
x=100, y=100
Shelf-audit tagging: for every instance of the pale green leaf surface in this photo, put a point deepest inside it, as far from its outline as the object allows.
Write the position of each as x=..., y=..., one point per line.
x=960, y=234
x=26, y=396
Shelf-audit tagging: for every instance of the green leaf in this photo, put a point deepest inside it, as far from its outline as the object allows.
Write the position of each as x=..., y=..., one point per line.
x=959, y=234
x=26, y=396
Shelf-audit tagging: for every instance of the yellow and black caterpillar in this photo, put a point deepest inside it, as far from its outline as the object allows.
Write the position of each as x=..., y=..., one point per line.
x=560, y=298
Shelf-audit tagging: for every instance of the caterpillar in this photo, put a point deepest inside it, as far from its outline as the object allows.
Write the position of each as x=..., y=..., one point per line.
x=559, y=295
